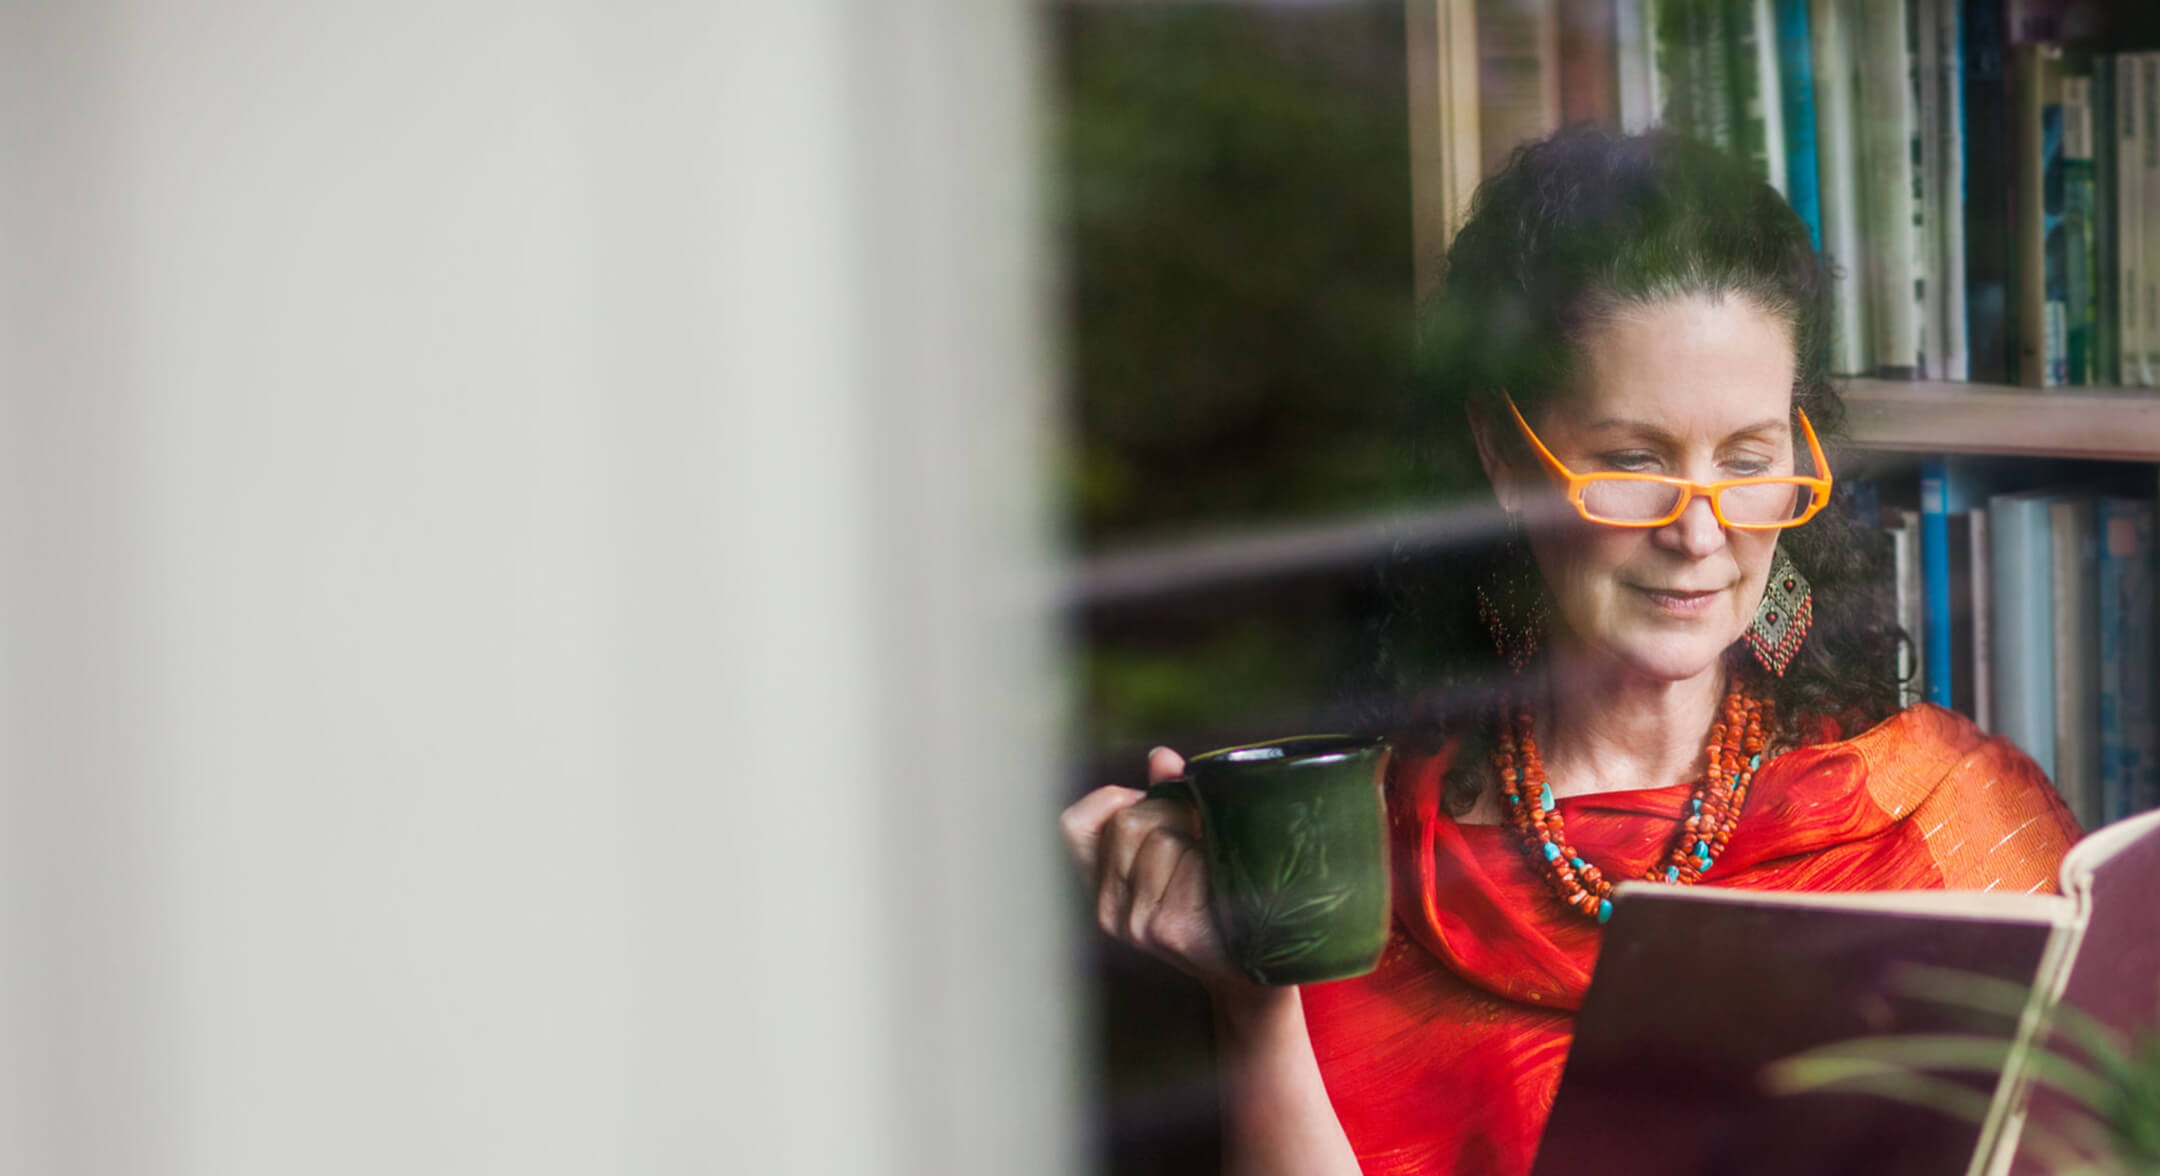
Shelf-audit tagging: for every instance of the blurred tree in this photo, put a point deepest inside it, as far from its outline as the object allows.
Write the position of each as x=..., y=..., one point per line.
x=1237, y=220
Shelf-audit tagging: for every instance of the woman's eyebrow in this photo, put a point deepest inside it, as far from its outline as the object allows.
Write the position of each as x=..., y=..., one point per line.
x=1662, y=435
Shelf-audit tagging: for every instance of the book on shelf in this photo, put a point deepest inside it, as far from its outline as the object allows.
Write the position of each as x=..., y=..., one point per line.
x=1518, y=76
x=1981, y=195
x=2073, y=235
x=1985, y=201
x=2042, y=361
x=1796, y=98
x=1935, y=612
x=1941, y=86
x=2127, y=168
x=1751, y=57
x=1589, y=90
x=1446, y=152
x=1891, y=283
x=2021, y=629
x=2107, y=224
x=2149, y=200
x=1964, y=589
x=1678, y=1052
x=2075, y=588
x=1905, y=560
x=1676, y=38
x=1838, y=169
x=2129, y=685
x=1635, y=65
x=1711, y=68
x=1980, y=572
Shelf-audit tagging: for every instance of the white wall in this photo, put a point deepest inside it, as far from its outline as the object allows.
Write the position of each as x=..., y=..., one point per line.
x=524, y=593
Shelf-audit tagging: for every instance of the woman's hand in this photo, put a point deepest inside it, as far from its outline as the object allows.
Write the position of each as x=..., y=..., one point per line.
x=1143, y=859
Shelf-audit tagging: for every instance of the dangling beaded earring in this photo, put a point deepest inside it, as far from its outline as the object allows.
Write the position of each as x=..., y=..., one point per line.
x=1782, y=619
x=1511, y=601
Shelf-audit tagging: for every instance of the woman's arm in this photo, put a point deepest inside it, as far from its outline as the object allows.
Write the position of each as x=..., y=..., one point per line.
x=1143, y=859
x=1276, y=1115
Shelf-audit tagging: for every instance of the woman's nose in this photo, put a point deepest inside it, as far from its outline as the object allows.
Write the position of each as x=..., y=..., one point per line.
x=1696, y=533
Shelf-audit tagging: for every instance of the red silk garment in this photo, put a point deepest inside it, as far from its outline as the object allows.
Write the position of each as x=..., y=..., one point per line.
x=1445, y=1060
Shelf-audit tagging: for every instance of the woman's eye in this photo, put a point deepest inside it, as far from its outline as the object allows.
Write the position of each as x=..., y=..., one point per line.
x=1748, y=468
x=1631, y=463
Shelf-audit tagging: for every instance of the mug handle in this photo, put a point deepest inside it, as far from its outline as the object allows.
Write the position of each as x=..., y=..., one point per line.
x=1175, y=788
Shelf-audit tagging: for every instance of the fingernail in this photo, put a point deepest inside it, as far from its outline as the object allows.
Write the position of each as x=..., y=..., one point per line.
x=1152, y=750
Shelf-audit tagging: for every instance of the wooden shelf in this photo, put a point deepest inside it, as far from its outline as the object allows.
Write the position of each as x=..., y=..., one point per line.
x=2114, y=424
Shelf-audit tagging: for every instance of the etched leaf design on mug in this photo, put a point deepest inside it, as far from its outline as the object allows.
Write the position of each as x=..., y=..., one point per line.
x=1290, y=909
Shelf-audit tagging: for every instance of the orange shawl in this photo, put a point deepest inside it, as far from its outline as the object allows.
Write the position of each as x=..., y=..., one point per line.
x=1446, y=1059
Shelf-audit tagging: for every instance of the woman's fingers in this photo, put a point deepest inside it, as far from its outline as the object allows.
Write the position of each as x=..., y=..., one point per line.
x=1081, y=825
x=1123, y=835
x=1163, y=764
x=1145, y=861
x=1154, y=866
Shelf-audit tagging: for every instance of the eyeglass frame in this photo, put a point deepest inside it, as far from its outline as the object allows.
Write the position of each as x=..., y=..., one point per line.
x=1689, y=490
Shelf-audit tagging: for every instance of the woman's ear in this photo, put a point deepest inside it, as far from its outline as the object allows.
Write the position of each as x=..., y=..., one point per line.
x=1498, y=471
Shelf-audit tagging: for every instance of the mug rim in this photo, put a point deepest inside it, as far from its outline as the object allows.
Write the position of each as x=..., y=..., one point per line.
x=1289, y=750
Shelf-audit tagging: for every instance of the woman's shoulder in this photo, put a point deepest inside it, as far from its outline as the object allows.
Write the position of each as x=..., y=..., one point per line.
x=1924, y=731
x=1977, y=808
x=1929, y=755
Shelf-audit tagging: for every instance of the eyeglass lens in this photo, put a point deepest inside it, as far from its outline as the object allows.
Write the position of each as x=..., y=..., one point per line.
x=1623, y=500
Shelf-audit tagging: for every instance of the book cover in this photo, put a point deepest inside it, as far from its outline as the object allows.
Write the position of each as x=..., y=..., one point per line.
x=1710, y=57
x=1890, y=277
x=2042, y=359
x=1445, y=153
x=1962, y=698
x=1904, y=528
x=2074, y=572
x=1673, y=32
x=2149, y=276
x=1518, y=52
x=2129, y=251
x=1923, y=58
x=1980, y=578
x=1796, y=95
x=2107, y=243
x=1951, y=351
x=1990, y=347
x=1936, y=620
x=2129, y=676
x=1698, y=991
x=2072, y=254
x=1752, y=70
x=1589, y=90
x=1838, y=165
x=1635, y=65
x=2021, y=626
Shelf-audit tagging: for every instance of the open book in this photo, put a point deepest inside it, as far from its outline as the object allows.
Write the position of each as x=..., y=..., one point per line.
x=1699, y=989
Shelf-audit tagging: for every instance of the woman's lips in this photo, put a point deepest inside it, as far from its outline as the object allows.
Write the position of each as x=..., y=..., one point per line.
x=1678, y=603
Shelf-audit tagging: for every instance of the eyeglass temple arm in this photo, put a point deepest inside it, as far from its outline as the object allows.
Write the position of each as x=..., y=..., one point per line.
x=1546, y=455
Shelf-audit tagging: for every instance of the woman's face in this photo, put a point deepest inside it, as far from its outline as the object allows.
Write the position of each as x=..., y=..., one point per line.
x=1690, y=388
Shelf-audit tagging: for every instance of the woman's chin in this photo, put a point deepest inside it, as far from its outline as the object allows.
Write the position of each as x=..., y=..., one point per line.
x=1669, y=660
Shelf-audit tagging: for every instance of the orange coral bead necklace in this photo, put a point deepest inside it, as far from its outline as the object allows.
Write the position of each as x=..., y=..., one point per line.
x=1735, y=752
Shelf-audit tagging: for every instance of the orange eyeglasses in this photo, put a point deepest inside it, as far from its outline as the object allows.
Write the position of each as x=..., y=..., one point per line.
x=1653, y=500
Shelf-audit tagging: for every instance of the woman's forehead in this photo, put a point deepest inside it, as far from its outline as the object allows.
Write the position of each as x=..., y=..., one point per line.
x=1689, y=365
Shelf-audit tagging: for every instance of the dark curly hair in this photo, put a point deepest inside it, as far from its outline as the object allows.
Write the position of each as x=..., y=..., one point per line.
x=1574, y=228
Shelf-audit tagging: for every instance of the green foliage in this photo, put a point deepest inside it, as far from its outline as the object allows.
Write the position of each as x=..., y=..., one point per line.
x=2110, y=1087
x=1212, y=683
x=1235, y=185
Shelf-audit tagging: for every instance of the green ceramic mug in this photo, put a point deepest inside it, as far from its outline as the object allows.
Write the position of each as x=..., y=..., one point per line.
x=1295, y=832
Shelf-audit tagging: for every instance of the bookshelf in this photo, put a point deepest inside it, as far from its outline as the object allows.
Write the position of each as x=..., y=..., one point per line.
x=1928, y=416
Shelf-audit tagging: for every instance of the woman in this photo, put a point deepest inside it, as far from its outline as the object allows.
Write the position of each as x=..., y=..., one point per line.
x=1695, y=680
